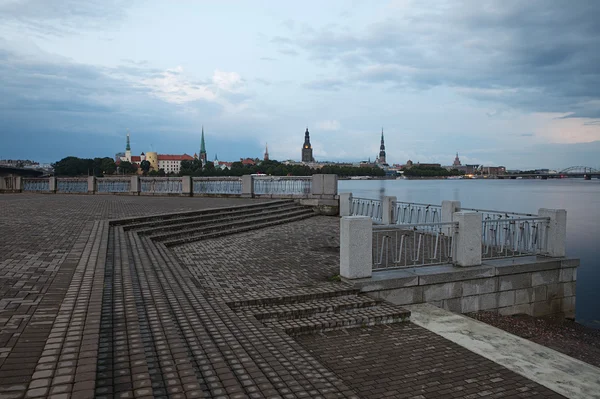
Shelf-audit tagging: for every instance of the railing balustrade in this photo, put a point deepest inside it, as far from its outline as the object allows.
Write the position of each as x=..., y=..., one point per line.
x=71, y=185
x=36, y=184
x=113, y=185
x=217, y=185
x=288, y=185
x=498, y=215
x=414, y=213
x=9, y=183
x=367, y=207
x=161, y=185
x=506, y=237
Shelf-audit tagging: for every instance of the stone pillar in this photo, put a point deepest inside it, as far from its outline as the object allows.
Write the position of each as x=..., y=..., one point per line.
x=317, y=185
x=345, y=204
x=52, y=184
x=247, y=186
x=134, y=187
x=448, y=209
x=186, y=186
x=556, y=232
x=330, y=184
x=388, y=210
x=18, y=184
x=91, y=184
x=356, y=237
x=467, y=243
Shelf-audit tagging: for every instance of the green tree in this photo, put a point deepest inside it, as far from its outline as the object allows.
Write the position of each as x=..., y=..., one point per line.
x=127, y=168
x=145, y=166
x=108, y=166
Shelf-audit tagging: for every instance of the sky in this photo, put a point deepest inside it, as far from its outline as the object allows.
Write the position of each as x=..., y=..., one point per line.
x=512, y=83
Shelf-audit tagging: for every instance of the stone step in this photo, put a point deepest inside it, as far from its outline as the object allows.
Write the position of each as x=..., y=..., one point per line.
x=138, y=221
x=311, y=308
x=221, y=229
x=303, y=295
x=382, y=314
x=206, y=220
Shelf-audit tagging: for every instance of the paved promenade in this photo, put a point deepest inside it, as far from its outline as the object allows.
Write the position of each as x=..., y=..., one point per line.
x=89, y=309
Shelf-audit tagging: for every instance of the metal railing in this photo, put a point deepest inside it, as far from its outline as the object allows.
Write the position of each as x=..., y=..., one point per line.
x=498, y=215
x=113, y=185
x=367, y=207
x=36, y=184
x=412, y=245
x=161, y=185
x=217, y=185
x=288, y=185
x=67, y=185
x=512, y=237
x=413, y=213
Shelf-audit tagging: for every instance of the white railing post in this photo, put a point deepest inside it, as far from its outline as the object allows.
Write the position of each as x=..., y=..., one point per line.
x=19, y=184
x=467, y=242
x=388, y=210
x=330, y=183
x=345, y=204
x=186, y=185
x=134, y=187
x=557, y=231
x=52, y=184
x=91, y=184
x=356, y=238
x=448, y=210
x=247, y=186
x=317, y=185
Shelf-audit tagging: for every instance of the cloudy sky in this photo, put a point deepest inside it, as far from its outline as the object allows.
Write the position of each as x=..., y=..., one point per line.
x=514, y=83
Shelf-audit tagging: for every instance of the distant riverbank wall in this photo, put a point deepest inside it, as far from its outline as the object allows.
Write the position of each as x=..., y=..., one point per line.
x=318, y=191
x=463, y=260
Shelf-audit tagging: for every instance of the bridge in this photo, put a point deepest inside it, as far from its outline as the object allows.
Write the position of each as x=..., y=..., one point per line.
x=587, y=172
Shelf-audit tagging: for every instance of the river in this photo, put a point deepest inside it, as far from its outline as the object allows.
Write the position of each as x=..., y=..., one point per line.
x=581, y=199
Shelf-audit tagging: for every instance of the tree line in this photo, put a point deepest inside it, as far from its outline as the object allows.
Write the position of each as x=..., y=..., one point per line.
x=431, y=171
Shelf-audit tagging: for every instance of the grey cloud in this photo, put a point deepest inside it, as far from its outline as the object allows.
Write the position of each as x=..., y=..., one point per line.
x=330, y=84
x=287, y=51
x=541, y=55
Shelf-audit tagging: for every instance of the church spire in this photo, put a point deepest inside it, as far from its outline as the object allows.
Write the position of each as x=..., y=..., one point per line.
x=266, y=158
x=128, y=147
x=382, y=150
x=202, y=148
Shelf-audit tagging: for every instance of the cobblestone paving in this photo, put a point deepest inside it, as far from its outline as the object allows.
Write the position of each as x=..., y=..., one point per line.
x=408, y=361
x=46, y=242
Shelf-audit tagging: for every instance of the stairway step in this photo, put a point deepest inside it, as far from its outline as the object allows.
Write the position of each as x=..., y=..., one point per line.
x=383, y=314
x=246, y=226
x=312, y=308
x=289, y=297
x=218, y=220
x=137, y=220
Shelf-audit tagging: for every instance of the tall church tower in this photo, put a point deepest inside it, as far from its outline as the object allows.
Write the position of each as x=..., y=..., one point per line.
x=456, y=161
x=203, y=149
x=266, y=157
x=307, y=152
x=128, y=149
x=382, y=150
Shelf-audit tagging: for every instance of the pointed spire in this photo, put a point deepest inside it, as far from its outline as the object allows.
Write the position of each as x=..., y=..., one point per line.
x=128, y=147
x=202, y=144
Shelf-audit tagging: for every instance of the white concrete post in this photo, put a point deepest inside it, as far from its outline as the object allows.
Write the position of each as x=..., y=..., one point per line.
x=388, y=210
x=345, y=204
x=52, y=184
x=448, y=209
x=557, y=231
x=134, y=188
x=247, y=186
x=356, y=238
x=467, y=243
x=317, y=185
x=330, y=183
x=18, y=184
x=186, y=185
x=91, y=184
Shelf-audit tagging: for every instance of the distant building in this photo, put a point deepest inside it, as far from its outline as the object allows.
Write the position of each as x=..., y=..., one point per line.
x=248, y=161
x=203, y=149
x=307, y=152
x=168, y=162
x=456, y=161
x=380, y=160
x=266, y=157
x=493, y=170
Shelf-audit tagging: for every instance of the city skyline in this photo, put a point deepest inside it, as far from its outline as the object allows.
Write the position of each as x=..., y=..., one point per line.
x=440, y=76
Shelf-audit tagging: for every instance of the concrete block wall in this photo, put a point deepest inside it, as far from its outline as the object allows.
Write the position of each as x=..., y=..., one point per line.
x=537, y=287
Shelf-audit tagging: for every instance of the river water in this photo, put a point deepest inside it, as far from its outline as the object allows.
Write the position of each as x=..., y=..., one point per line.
x=581, y=199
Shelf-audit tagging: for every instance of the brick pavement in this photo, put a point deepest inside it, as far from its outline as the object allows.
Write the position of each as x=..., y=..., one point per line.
x=90, y=309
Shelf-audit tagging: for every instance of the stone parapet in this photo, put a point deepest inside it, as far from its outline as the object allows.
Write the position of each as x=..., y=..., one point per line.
x=529, y=285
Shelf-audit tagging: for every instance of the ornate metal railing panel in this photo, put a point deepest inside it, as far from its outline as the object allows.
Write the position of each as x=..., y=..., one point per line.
x=506, y=238
x=412, y=245
x=288, y=185
x=36, y=184
x=113, y=185
x=498, y=215
x=218, y=185
x=413, y=213
x=367, y=207
x=67, y=185
x=161, y=185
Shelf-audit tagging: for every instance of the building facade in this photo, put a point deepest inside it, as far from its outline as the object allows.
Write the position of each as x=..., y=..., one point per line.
x=307, y=152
